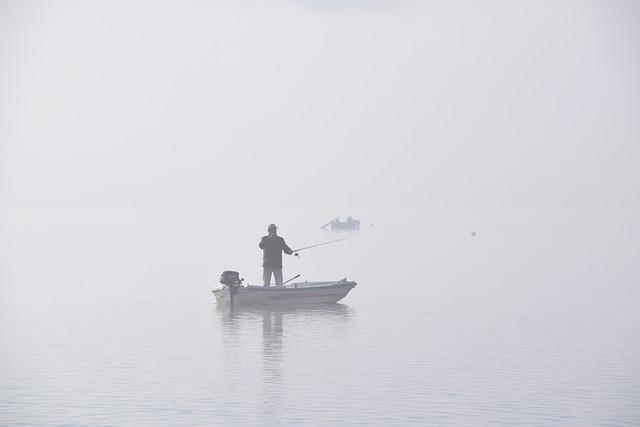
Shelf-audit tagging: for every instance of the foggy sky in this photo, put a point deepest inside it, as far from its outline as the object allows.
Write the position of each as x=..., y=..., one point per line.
x=434, y=106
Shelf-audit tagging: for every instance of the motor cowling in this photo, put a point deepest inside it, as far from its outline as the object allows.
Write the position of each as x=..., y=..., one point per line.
x=230, y=278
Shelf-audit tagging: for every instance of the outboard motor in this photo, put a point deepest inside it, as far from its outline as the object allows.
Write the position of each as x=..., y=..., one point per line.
x=230, y=278
x=233, y=281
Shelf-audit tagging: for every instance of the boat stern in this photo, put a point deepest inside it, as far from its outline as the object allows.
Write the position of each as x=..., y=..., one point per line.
x=221, y=293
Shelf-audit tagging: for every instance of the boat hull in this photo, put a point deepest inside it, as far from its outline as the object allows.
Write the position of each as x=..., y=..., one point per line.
x=345, y=225
x=296, y=293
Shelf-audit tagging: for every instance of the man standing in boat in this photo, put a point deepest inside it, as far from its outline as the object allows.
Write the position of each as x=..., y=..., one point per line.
x=272, y=247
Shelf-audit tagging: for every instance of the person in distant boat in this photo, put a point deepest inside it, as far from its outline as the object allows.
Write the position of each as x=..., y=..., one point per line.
x=272, y=247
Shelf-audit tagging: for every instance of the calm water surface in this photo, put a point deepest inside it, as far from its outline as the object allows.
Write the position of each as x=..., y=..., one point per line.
x=109, y=320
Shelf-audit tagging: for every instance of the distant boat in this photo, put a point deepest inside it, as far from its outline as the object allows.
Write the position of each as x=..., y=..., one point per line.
x=349, y=224
x=346, y=225
x=292, y=293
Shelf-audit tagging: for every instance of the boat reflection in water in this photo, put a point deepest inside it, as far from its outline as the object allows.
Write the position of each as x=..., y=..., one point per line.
x=300, y=335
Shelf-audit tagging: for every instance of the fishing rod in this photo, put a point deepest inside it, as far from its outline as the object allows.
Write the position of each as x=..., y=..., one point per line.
x=287, y=281
x=335, y=219
x=316, y=245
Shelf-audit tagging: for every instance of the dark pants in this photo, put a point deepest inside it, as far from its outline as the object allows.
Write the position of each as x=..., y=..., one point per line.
x=266, y=276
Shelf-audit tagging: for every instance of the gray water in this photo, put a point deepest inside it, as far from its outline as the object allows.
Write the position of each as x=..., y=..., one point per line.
x=109, y=320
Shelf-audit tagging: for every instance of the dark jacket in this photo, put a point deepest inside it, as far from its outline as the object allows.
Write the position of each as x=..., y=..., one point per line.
x=272, y=251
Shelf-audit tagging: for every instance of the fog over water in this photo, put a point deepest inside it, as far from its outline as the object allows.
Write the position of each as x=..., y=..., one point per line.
x=384, y=106
x=490, y=149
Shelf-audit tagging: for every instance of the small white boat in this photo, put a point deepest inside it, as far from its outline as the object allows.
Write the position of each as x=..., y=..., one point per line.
x=292, y=293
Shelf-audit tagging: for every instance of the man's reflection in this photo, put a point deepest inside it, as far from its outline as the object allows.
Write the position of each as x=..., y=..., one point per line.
x=239, y=324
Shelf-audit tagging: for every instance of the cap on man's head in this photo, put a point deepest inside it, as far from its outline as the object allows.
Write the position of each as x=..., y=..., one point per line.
x=271, y=227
